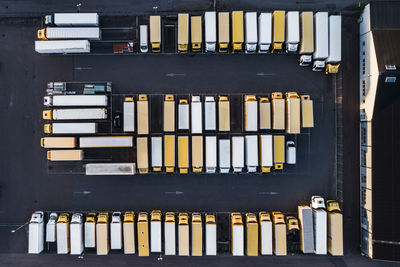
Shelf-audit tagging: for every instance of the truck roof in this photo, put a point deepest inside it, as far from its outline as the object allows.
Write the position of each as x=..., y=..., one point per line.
x=293, y=27
x=335, y=39
x=321, y=35
x=279, y=26
x=210, y=26
x=307, y=33
x=264, y=28
x=251, y=27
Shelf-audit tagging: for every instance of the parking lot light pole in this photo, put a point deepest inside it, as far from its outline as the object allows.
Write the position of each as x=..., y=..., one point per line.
x=13, y=231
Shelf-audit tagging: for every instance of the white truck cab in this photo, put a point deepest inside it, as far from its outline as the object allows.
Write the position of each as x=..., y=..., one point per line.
x=317, y=202
x=144, y=48
x=51, y=227
x=290, y=152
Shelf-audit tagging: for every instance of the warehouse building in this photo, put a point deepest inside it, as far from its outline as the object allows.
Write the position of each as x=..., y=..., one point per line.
x=380, y=130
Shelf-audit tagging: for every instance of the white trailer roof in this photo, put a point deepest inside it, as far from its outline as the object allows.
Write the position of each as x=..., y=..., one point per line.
x=211, y=153
x=155, y=236
x=210, y=19
x=266, y=238
x=80, y=114
x=211, y=239
x=90, y=234
x=293, y=27
x=79, y=100
x=91, y=33
x=251, y=153
x=237, y=153
x=106, y=141
x=74, y=128
x=62, y=46
x=224, y=155
x=156, y=151
x=209, y=114
x=264, y=28
x=89, y=19
x=266, y=151
x=129, y=116
x=196, y=112
x=237, y=240
x=321, y=35
x=110, y=168
x=251, y=27
x=169, y=238
x=116, y=235
x=335, y=39
x=76, y=236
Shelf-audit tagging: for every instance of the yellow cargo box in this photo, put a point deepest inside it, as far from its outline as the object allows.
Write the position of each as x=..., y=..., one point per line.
x=65, y=155
x=278, y=20
x=183, y=32
x=197, y=235
x=278, y=111
x=197, y=37
x=307, y=114
x=307, y=33
x=155, y=33
x=265, y=113
x=169, y=113
x=279, y=232
x=183, y=154
x=58, y=142
x=224, y=114
x=335, y=233
x=237, y=31
x=143, y=234
x=143, y=114
x=279, y=151
x=142, y=155
x=223, y=31
x=169, y=153
x=197, y=153
x=292, y=113
x=129, y=232
x=102, y=234
x=252, y=234
x=183, y=234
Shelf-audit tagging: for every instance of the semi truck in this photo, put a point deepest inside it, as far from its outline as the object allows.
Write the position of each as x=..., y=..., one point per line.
x=265, y=113
x=143, y=234
x=251, y=32
x=306, y=229
x=142, y=157
x=75, y=114
x=237, y=153
x=183, y=154
x=320, y=225
x=223, y=32
x=197, y=153
x=251, y=235
x=279, y=231
x=58, y=142
x=155, y=231
x=183, y=114
x=76, y=234
x=142, y=114
x=102, y=234
x=278, y=20
x=335, y=228
x=196, y=33
x=51, y=228
x=306, y=38
x=197, y=234
x=88, y=33
x=210, y=114
x=65, y=155
x=211, y=154
x=116, y=230
x=36, y=233
x=155, y=34
x=279, y=151
x=156, y=153
x=224, y=124
x=183, y=32
x=129, y=115
x=169, y=113
x=169, y=153
x=335, y=44
x=110, y=169
x=210, y=21
x=251, y=153
x=250, y=113
x=307, y=115
x=90, y=230
x=224, y=159
x=183, y=234
x=129, y=232
x=211, y=235
x=264, y=32
x=292, y=113
x=70, y=128
x=105, y=141
x=292, y=31
x=196, y=115
x=266, y=153
x=265, y=233
x=62, y=46
x=321, y=40
x=144, y=43
x=169, y=234
x=278, y=111
x=72, y=19
x=237, y=31
x=75, y=100
x=63, y=242
x=237, y=234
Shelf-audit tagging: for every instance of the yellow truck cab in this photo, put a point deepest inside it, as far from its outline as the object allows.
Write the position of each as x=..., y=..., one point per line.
x=292, y=223
x=333, y=206
x=41, y=34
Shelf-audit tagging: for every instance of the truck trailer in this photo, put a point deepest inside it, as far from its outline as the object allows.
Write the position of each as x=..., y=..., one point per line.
x=75, y=100
x=237, y=234
x=224, y=158
x=237, y=153
x=36, y=233
x=90, y=230
x=50, y=33
x=183, y=234
x=307, y=116
x=265, y=113
x=155, y=231
x=183, y=114
x=321, y=40
x=129, y=115
x=335, y=44
x=72, y=19
x=251, y=32
x=65, y=155
x=196, y=33
x=306, y=229
x=75, y=114
x=223, y=32
x=142, y=156
x=155, y=34
x=156, y=153
x=116, y=231
x=265, y=233
x=76, y=234
x=211, y=235
x=70, y=128
x=264, y=32
x=266, y=153
x=58, y=142
x=251, y=152
x=183, y=154
x=169, y=234
x=279, y=231
x=211, y=154
x=105, y=141
x=143, y=234
x=210, y=123
x=197, y=153
x=237, y=31
x=196, y=115
x=292, y=113
x=197, y=234
x=102, y=234
x=63, y=242
x=110, y=169
x=62, y=46
x=129, y=232
x=292, y=31
x=306, y=38
x=278, y=20
x=278, y=111
x=183, y=33
x=210, y=21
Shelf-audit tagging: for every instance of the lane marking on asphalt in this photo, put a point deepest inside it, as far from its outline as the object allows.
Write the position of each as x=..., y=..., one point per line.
x=174, y=193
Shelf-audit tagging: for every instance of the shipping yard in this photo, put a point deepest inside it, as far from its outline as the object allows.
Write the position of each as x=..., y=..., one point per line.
x=228, y=133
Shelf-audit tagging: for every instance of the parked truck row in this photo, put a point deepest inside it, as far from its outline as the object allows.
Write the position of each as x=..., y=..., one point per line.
x=185, y=234
x=316, y=37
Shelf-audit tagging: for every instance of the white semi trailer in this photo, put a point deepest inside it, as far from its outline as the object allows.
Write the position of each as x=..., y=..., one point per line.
x=36, y=233
x=75, y=100
x=75, y=114
x=72, y=19
x=320, y=40
x=62, y=46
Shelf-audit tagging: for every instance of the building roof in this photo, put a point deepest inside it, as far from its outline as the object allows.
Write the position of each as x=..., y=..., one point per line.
x=385, y=15
x=387, y=46
x=385, y=169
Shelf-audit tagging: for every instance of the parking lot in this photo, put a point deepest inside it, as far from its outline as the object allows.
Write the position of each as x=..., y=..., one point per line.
x=27, y=185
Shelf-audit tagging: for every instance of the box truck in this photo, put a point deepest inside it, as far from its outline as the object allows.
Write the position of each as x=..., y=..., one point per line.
x=292, y=31
x=251, y=32
x=105, y=141
x=223, y=32
x=197, y=234
x=65, y=155
x=63, y=244
x=129, y=232
x=335, y=228
x=209, y=114
x=278, y=111
x=144, y=43
x=251, y=235
x=110, y=169
x=264, y=32
x=292, y=113
x=183, y=154
x=224, y=124
x=335, y=44
x=88, y=33
x=183, y=114
x=237, y=234
x=196, y=115
x=210, y=21
x=196, y=33
x=265, y=233
x=75, y=100
x=51, y=227
x=265, y=113
x=224, y=158
x=142, y=115
x=183, y=32
x=251, y=153
x=250, y=113
x=169, y=234
x=279, y=151
x=238, y=153
x=102, y=235
x=211, y=235
x=76, y=234
x=307, y=116
x=58, y=142
x=266, y=153
x=142, y=156
x=278, y=23
x=279, y=231
x=197, y=153
x=36, y=233
x=183, y=234
x=211, y=154
x=321, y=40
x=116, y=230
x=320, y=225
x=90, y=230
x=62, y=46
x=155, y=231
x=143, y=234
x=237, y=31
x=72, y=19
x=155, y=33
x=306, y=229
x=75, y=114
x=169, y=113
x=306, y=38
x=169, y=153
x=70, y=128
x=129, y=115
x=156, y=153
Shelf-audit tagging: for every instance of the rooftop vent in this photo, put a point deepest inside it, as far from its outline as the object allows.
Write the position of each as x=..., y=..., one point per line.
x=390, y=67
x=390, y=79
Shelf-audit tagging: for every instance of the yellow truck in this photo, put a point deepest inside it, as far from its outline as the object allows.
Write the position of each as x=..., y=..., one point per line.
x=279, y=232
x=292, y=113
x=169, y=153
x=183, y=234
x=142, y=156
x=265, y=113
x=278, y=111
x=143, y=234
x=169, y=113
x=142, y=114
x=183, y=154
x=58, y=142
x=335, y=228
x=224, y=114
x=237, y=31
x=197, y=234
x=223, y=32
x=65, y=155
x=183, y=33
x=129, y=232
x=307, y=116
x=102, y=234
x=251, y=234
x=196, y=30
x=278, y=36
x=279, y=151
x=197, y=153
x=155, y=33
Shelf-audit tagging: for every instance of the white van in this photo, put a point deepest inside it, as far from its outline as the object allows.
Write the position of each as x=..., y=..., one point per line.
x=144, y=48
x=290, y=152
